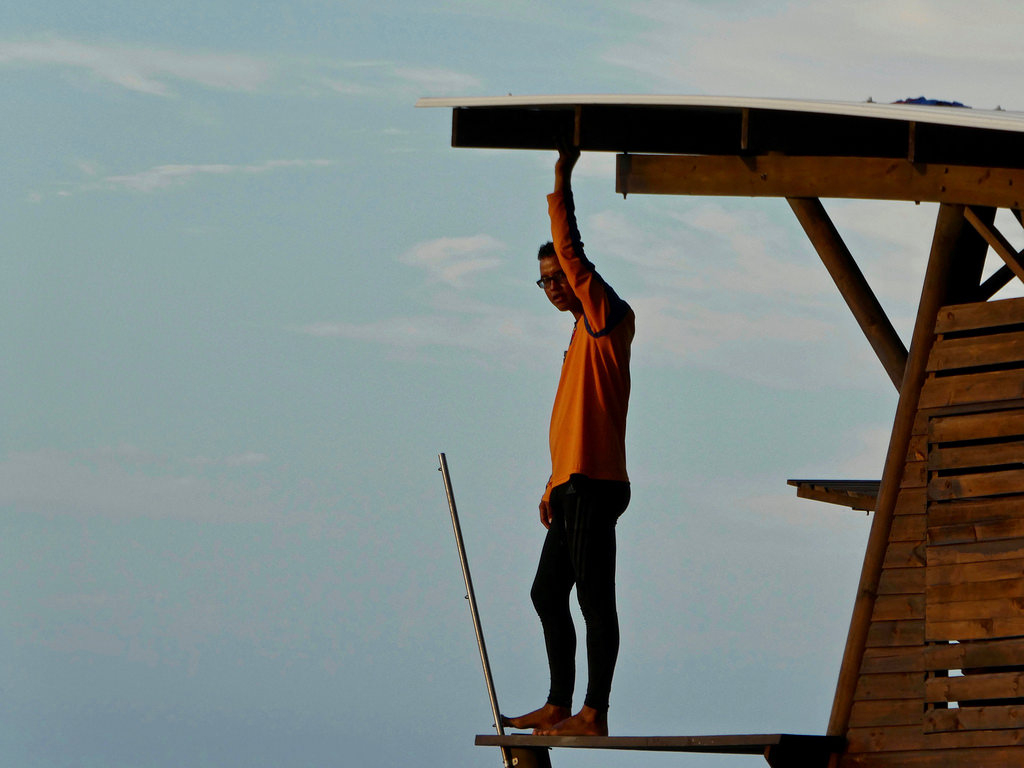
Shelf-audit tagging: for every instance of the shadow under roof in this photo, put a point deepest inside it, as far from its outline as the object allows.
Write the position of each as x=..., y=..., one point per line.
x=709, y=125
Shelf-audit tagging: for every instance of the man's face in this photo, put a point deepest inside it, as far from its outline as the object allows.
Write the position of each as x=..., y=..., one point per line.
x=557, y=287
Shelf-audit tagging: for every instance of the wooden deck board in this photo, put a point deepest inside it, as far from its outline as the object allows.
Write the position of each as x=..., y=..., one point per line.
x=750, y=744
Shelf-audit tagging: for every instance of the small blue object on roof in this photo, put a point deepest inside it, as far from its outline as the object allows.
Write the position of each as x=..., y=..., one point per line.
x=931, y=102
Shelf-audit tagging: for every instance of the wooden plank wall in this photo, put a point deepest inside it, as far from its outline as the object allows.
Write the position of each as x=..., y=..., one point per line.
x=942, y=678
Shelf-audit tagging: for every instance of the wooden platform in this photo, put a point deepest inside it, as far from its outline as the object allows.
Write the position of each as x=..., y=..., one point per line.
x=779, y=749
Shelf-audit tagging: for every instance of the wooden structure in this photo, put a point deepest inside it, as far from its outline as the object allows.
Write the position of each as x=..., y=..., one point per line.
x=933, y=671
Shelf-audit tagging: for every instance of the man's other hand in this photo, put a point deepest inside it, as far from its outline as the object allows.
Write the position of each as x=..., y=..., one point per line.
x=545, y=513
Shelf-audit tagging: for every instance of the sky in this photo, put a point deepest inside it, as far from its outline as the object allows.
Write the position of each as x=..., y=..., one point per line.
x=249, y=293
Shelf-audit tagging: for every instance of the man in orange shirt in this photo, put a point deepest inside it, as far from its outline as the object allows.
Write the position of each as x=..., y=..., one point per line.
x=588, y=488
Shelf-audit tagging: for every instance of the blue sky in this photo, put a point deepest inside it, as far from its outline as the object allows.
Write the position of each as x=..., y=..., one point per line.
x=249, y=293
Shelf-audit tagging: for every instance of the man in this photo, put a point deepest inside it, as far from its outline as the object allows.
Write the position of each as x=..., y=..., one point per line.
x=588, y=488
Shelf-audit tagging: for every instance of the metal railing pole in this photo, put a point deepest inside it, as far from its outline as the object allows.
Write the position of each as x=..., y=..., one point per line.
x=471, y=596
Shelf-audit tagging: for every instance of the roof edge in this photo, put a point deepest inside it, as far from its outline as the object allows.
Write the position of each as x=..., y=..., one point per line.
x=994, y=119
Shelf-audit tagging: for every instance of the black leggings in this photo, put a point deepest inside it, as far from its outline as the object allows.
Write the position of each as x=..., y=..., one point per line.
x=580, y=549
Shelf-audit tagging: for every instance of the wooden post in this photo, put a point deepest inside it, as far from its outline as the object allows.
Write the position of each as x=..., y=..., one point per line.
x=944, y=251
x=852, y=285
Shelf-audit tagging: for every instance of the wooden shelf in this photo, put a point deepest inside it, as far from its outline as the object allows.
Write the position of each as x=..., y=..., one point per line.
x=858, y=494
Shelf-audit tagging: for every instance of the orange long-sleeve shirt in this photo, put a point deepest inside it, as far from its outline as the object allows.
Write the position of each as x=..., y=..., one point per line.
x=588, y=420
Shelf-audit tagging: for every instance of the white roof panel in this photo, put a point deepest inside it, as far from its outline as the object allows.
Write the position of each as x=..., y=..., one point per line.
x=940, y=115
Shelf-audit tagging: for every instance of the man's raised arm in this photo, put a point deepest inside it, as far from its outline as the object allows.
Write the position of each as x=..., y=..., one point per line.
x=602, y=308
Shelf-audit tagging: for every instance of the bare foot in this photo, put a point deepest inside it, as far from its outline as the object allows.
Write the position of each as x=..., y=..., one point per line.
x=545, y=717
x=587, y=722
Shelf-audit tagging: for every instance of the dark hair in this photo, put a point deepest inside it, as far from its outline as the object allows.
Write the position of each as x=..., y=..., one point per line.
x=546, y=250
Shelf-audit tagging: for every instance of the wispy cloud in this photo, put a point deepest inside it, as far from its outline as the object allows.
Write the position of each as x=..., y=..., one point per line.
x=155, y=71
x=171, y=175
x=496, y=335
x=370, y=78
x=437, y=80
x=163, y=176
x=456, y=311
x=138, y=68
x=451, y=260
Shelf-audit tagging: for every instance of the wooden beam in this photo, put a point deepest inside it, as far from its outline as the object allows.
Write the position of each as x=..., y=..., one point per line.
x=948, y=229
x=999, y=243
x=822, y=177
x=852, y=285
x=995, y=283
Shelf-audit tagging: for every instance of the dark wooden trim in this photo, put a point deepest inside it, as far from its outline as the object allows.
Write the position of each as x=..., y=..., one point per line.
x=821, y=177
x=852, y=285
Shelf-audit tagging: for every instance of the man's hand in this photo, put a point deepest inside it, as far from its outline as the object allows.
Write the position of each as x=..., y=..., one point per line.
x=567, y=157
x=545, y=513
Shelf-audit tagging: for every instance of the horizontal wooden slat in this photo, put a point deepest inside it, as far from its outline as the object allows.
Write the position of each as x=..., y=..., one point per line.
x=911, y=501
x=980, y=551
x=885, y=738
x=881, y=739
x=974, y=718
x=1001, y=685
x=986, y=530
x=985, y=455
x=983, y=314
x=974, y=629
x=883, y=660
x=949, y=354
x=898, y=712
x=996, y=608
x=794, y=745
x=924, y=416
x=995, y=653
x=974, y=510
x=994, y=757
x=908, y=528
x=899, y=581
x=905, y=554
x=976, y=426
x=894, y=685
x=974, y=591
x=898, y=607
x=889, y=634
x=985, y=570
x=1010, y=481
x=985, y=387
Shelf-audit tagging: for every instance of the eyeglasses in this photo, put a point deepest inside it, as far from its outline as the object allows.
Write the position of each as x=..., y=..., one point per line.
x=558, y=277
